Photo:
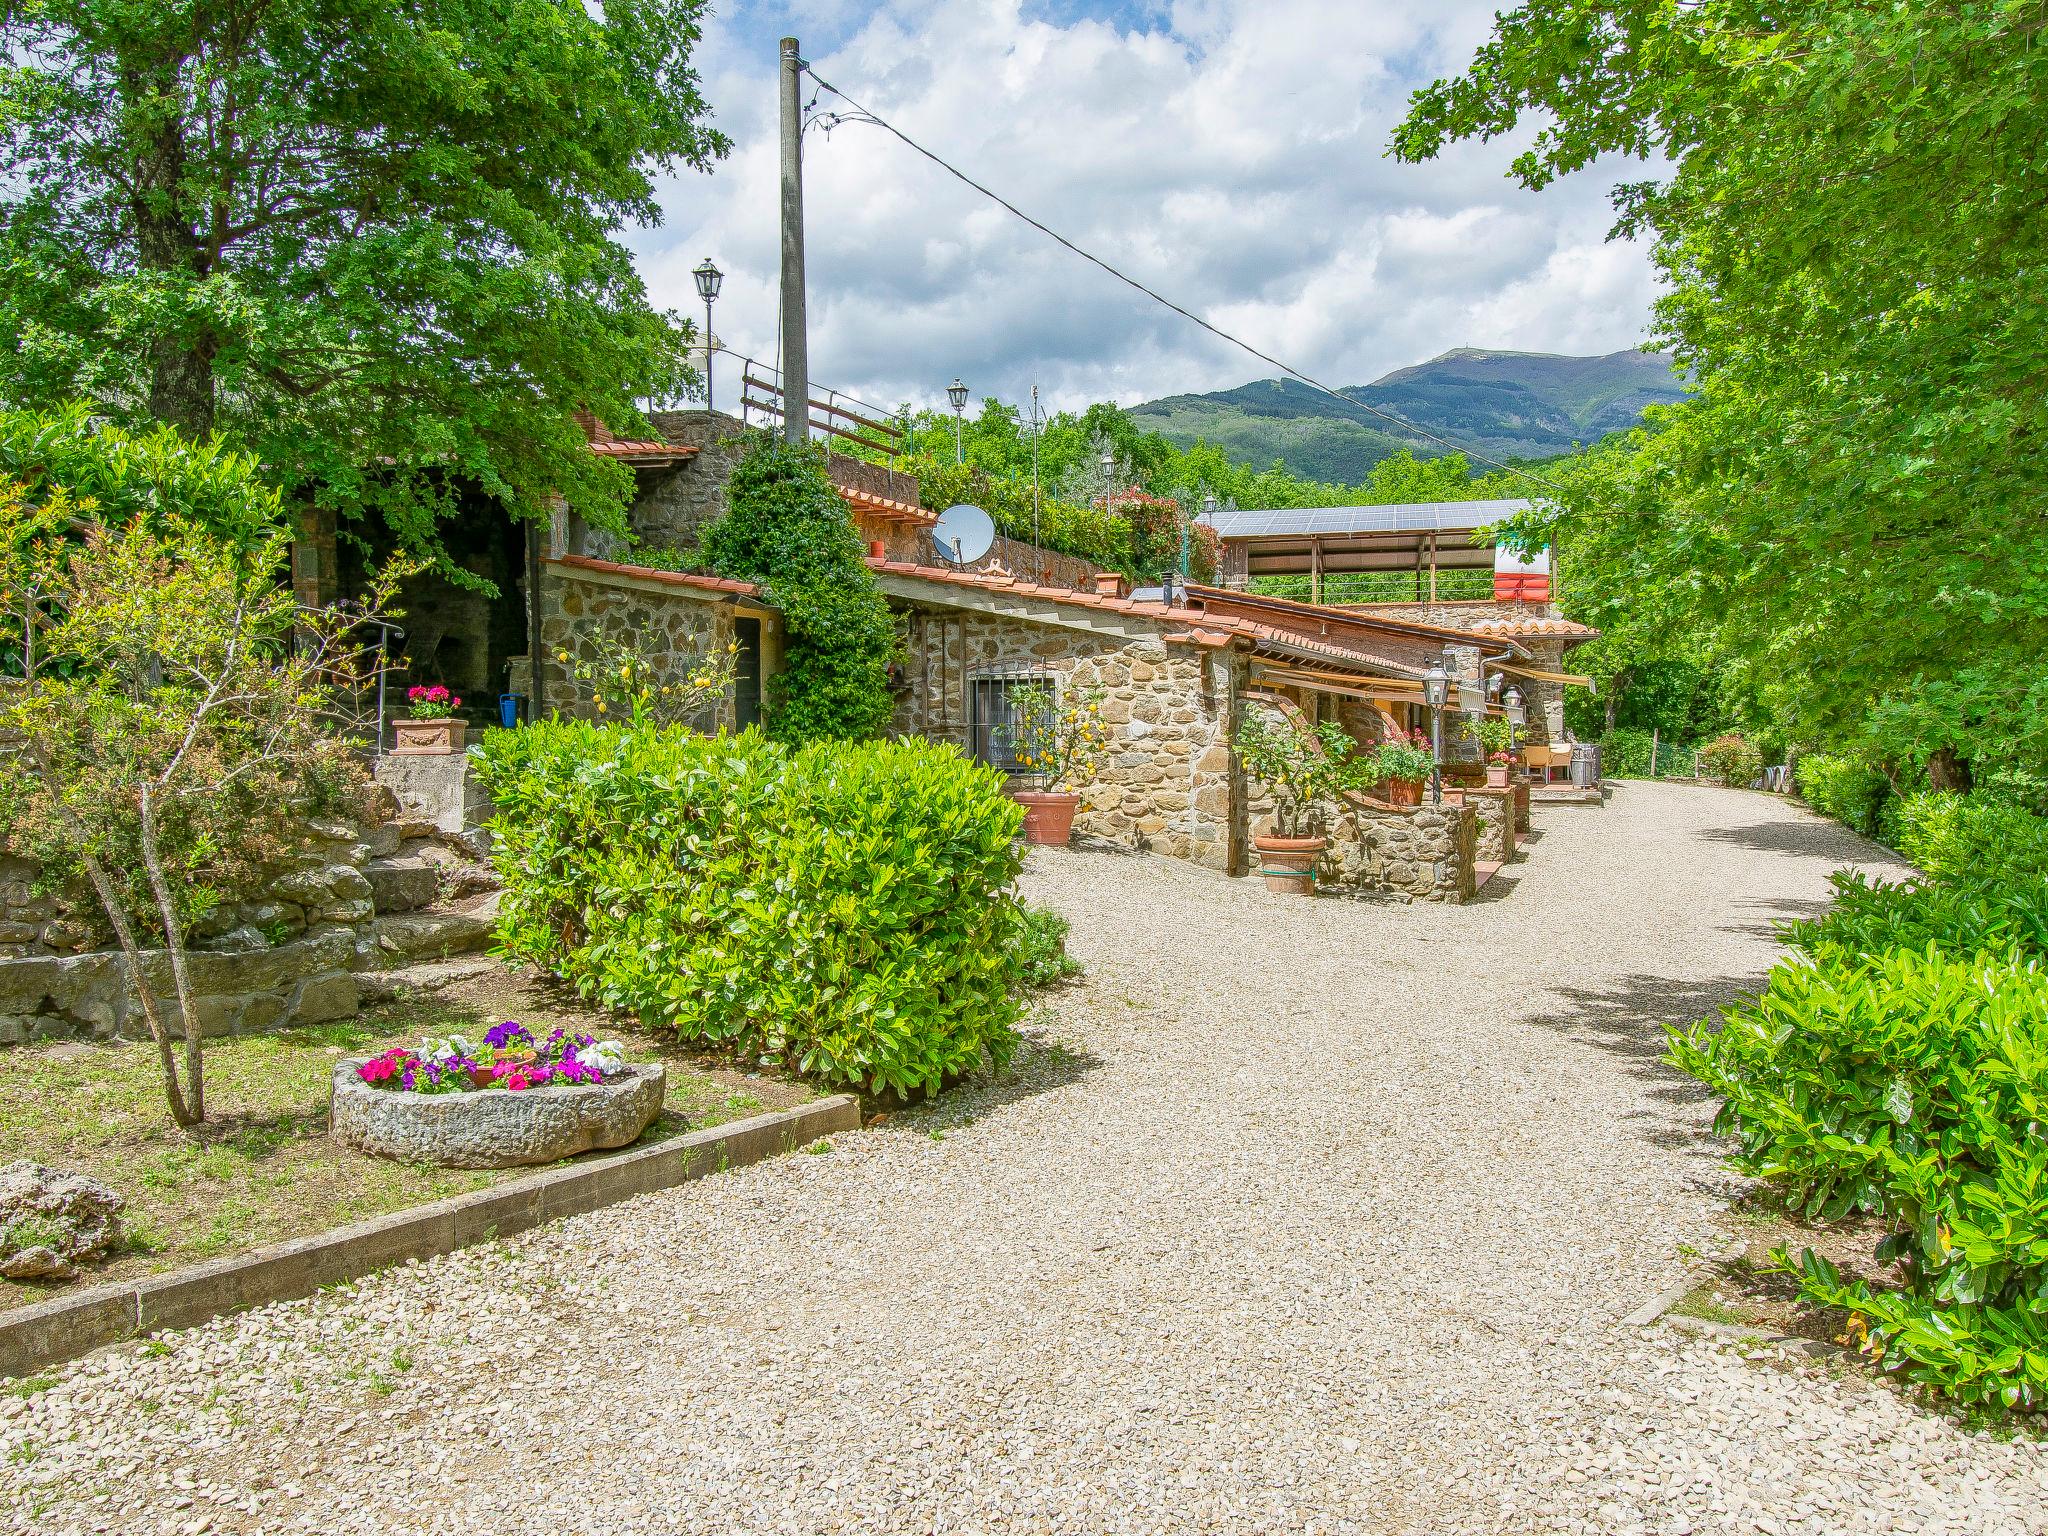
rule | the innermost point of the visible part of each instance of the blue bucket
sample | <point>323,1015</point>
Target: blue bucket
<point>508,709</point>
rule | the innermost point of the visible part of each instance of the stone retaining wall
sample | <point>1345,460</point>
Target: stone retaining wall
<point>351,901</point>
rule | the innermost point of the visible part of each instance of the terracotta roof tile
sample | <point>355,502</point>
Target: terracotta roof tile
<point>1564,627</point>
<point>1203,628</point>
<point>697,579</point>
<point>620,448</point>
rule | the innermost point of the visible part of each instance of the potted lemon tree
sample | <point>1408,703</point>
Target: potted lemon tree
<point>1058,744</point>
<point>1303,770</point>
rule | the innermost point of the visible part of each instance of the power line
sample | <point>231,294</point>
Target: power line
<point>867,115</point>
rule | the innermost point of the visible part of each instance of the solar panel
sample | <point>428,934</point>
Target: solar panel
<point>1403,517</point>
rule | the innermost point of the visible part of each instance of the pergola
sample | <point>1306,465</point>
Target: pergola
<point>1423,538</point>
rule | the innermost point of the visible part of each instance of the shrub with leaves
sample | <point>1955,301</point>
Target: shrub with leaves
<point>1872,917</point>
<point>1733,759</point>
<point>1973,840</point>
<point>174,716</point>
<point>786,528</point>
<point>1041,953</point>
<point>1908,1086</point>
<point>844,909</point>
<point>1899,1068</point>
<point>1846,788</point>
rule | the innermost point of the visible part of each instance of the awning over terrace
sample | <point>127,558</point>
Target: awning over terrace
<point>1425,550</point>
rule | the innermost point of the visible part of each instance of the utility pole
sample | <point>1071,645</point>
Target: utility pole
<point>796,358</point>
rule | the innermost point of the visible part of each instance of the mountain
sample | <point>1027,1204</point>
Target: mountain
<point>1522,405</point>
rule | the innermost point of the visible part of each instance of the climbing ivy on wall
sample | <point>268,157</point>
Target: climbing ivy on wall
<point>787,528</point>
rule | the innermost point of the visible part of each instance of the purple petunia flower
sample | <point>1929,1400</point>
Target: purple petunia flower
<point>501,1035</point>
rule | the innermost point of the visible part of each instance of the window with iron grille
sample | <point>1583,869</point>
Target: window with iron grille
<point>992,714</point>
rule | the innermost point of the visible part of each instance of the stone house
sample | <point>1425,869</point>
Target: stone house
<point>1176,671</point>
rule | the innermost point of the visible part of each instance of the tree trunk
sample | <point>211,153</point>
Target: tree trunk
<point>181,387</point>
<point>1948,772</point>
<point>181,384</point>
<point>124,932</point>
<point>174,947</point>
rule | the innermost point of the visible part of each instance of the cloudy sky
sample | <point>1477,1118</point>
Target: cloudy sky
<point>1228,152</point>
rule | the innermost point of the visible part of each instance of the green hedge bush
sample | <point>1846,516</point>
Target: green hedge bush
<point>1846,788</point>
<point>1871,917</point>
<point>1899,1067</point>
<point>1972,840</point>
<point>846,910</point>
<point>1909,1086</point>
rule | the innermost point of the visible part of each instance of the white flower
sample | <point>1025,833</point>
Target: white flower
<point>439,1050</point>
<point>605,1056</point>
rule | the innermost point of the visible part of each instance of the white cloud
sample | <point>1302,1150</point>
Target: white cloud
<point>1230,153</point>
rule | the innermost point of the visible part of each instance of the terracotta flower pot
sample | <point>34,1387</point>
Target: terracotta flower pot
<point>1048,815</point>
<point>426,738</point>
<point>1496,775</point>
<point>1289,863</point>
<point>1404,791</point>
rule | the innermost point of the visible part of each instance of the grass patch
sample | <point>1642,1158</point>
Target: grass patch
<point>263,1169</point>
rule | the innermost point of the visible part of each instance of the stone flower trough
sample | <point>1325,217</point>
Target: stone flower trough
<point>494,1127</point>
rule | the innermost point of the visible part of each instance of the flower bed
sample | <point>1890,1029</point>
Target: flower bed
<point>510,1057</point>
<point>510,1101</point>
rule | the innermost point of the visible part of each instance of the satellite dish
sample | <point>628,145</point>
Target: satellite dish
<point>964,533</point>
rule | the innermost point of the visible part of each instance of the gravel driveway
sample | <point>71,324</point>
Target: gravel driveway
<point>1297,1217</point>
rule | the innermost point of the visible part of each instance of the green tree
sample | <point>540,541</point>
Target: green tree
<point>373,244</point>
<point>786,527</point>
<point>170,719</point>
<point>1851,225</point>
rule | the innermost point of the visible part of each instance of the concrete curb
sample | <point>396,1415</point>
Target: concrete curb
<point>1652,1311</point>
<point>55,1331</point>
<point>1657,1313</point>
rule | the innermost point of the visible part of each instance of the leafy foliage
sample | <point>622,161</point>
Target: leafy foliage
<point>1303,768</point>
<point>786,527</point>
<point>1971,840</point>
<point>1849,509</point>
<point>1899,1067</point>
<point>372,244</point>
<point>1845,786</point>
<point>1733,759</point>
<point>1060,738</point>
<point>844,909</point>
<point>1042,958</point>
<point>174,716</point>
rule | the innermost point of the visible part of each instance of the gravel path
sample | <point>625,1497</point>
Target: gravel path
<point>1298,1217</point>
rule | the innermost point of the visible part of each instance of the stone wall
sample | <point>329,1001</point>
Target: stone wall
<point>1495,810</point>
<point>673,504</point>
<point>1423,853</point>
<point>1165,785</point>
<point>349,901</point>
<point>672,626</point>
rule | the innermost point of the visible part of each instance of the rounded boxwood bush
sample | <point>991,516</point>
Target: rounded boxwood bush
<point>844,909</point>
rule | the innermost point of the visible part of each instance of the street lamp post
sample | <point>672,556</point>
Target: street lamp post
<point>1208,511</point>
<point>708,279</point>
<point>1108,469</point>
<point>1435,690</point>
<point>1512,705</point>
<point>957,393</point>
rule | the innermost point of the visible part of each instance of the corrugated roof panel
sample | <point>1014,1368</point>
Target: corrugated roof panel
<point>1402,517</point>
